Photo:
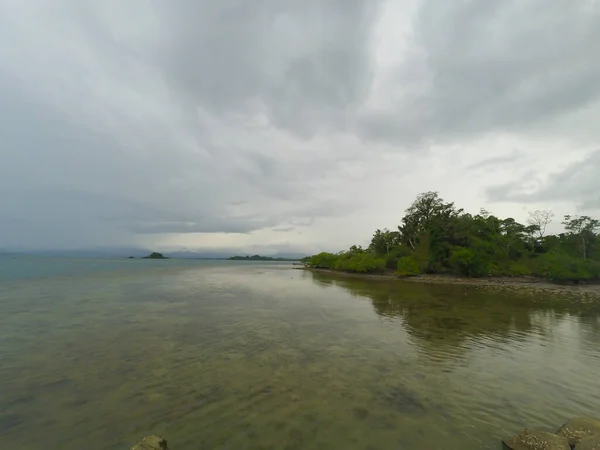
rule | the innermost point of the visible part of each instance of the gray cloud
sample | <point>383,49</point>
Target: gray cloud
<point>113,128</point>
<point>578,183</point>
<point>497,161</point>
<point>284,229</point>
<point>302,63</point>
<point>131,121</point>
<point>483,67</point>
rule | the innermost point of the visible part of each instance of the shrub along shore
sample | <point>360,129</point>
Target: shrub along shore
<point>435,237</point>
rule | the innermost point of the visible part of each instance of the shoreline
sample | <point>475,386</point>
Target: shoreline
<point>585,292</point>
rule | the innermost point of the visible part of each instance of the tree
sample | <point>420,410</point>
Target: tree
<point>468,262</point>
<point>513,234</point>
<point>408,266</point>
<point>426,211</point>
<point>384,241</point>
<point>584,227</point>
<point>539,221</point>
<point>435,236</point>
<point>323,260</point>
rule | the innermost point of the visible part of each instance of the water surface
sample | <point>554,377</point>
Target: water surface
<point>235,355</point>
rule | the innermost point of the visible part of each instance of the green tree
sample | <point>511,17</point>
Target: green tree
<point>323,260</point>
<point>436,236</point>
<point>562,268</point>
<point>513,237</point>
<point>428,228</point>
<point>584,228</point>
<point>383,242</point>
<point>408,266</point>
<point>358,260</point>
<point>421,216</point>
<point>468,262</point>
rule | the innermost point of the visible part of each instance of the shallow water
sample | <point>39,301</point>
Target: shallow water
<point>97,354</point>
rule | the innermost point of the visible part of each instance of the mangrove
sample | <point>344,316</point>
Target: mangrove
<point>436,237</point>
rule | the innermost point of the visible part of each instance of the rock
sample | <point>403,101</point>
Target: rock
<point>535,440</point>
<point>578,428</point>
<point>589,443</point>
<point>153,442</point>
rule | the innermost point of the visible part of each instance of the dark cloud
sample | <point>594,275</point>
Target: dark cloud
<point>304,64</point>
<point>481,67</point>
<point>114,128</point>
<point>127,121</point>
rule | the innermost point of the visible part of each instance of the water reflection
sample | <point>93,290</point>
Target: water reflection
<point>452,318</point>
<point>246,356</point>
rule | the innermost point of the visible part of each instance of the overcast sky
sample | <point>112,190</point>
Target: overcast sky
<point>288,125</point>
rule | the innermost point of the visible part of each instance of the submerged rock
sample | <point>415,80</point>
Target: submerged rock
<point>535,440</point>
<point>589,443</point>
<point>578,428</point>
<point>153,442</point>
<point>403,400</point>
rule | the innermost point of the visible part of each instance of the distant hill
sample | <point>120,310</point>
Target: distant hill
<point>100,252</point>
<point>260,258</point>
<point>155,255</point>
<point>138,252</point>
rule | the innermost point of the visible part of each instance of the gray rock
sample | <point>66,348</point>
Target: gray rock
<point>153,442</point>
<point>578,428</point>
<point>589,443</point>
<point>535,440</point>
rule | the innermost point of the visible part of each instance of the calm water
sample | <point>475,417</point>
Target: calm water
<point>97,354</point>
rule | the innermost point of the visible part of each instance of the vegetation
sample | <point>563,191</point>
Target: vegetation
<point>155,255</point>
<point>435,236</point>
<point>407,266</point>
<point>259,258</point>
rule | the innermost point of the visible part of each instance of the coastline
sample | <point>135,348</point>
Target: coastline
<point>584,292</point>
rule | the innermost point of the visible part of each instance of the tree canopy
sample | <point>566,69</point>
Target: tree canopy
<point>259,258</point>
<point>435,236</point>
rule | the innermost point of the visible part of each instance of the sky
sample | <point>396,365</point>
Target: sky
<point>288,125</point>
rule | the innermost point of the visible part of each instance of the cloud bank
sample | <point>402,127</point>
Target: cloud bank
<point>297,125</point>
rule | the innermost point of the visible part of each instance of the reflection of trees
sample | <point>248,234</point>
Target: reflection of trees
<point>593,322</point>
<point>447,318</point>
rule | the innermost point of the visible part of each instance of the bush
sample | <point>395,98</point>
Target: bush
<point>468,263</point>
<point>360,263</point>
<point>562,268</point>
<point>497,270</point>
<point>422,254</point>
<point>408,266</point>
<point>518,269</point>
<point>396,254</point>
<point>391,261</point>
<point>323,260</point>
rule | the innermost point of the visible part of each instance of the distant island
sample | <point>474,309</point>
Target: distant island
<point>260,258</point>
<point>155,255</point>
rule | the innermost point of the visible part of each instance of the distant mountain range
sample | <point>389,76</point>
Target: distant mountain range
<point>125,252</point>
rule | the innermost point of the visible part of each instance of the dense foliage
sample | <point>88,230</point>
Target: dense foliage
<point>354,260</point>
<point>435,236</point>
